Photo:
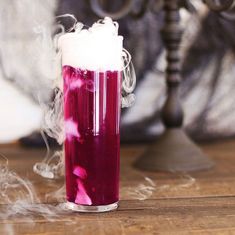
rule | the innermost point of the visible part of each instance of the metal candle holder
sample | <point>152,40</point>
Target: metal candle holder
<point>173,150</point>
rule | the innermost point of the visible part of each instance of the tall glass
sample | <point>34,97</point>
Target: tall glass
<point>92,103</point>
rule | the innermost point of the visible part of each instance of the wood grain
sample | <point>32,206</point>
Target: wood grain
<point>151,203</point>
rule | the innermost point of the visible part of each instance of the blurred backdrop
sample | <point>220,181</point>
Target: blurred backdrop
<point>208,62</point>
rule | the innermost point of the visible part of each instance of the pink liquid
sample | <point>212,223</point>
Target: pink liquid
<point>92,145</point>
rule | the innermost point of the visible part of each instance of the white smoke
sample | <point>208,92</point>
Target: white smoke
<point>98,48</point>
<point>73,48</point>
<point>18,197</point>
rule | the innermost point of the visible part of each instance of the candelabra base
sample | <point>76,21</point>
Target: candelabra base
<point>174,152</point>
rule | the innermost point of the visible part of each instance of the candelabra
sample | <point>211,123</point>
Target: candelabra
<point>173,150</point>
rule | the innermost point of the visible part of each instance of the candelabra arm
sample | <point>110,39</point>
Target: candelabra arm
<point>123,11</point>
<point>221,5</point>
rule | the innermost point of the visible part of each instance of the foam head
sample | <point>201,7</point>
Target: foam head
<point>98,48</point>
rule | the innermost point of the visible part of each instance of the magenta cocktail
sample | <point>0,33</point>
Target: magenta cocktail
<point>92,145</point>
<point>92,65</point>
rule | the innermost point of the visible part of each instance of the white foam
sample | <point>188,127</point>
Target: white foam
<point>97,48</point>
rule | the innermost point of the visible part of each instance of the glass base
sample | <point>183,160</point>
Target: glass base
<point>84,208</point>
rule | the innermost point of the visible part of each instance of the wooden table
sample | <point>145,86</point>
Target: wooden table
<point>151,203</point>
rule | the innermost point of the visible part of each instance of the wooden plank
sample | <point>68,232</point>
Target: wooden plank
<point>195,203</point>
<point>219,181</point>
<point>165,216</point>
